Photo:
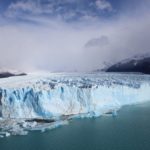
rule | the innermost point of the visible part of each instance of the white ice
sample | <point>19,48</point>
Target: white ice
<point>60,94</point>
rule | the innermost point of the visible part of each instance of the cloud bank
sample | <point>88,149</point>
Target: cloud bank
<point>40,42</point>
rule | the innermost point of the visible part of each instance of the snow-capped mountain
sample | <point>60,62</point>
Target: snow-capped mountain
<point>4,73</point>
<point>138,63</point>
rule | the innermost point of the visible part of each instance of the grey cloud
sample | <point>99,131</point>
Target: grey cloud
<point>97,42</point>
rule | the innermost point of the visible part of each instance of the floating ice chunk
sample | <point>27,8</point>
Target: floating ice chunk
<point>1,136</point>
<point>7,134</point>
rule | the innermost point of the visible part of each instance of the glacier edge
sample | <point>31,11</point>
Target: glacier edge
<point>46,97</point>
<point>41,102</point>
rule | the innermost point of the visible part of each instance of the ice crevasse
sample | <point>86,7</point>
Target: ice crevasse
<point>54,95</point>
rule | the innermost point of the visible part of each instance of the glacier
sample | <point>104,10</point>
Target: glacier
<point>63,96</point>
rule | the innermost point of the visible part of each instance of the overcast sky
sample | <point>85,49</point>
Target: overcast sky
<point>71,35</point>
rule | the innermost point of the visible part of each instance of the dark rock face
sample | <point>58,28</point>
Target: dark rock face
<point>8,74</point>
<point>41,120</point>
<point>141,65</point>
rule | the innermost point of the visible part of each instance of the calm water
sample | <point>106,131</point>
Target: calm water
<point>130,130</point>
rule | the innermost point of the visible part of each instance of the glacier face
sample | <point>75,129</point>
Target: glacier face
<point>55,95</point>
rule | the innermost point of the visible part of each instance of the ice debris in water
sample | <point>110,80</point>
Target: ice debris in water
<point>21,127</point>
<point>55,98</point>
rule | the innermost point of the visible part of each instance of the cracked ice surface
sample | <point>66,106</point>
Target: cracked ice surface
<point>55,95</point>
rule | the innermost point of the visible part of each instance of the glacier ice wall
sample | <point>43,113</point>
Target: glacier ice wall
<point>56,95</point>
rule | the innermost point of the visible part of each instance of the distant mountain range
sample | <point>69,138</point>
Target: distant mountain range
<point>139,63</point>
<point>5,73</point>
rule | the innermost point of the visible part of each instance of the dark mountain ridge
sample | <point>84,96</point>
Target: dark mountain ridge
<point>139,64</point>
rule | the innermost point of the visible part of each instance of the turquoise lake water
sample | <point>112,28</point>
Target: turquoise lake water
<point>130,130</point>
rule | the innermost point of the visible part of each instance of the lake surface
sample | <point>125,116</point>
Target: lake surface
<point>130,130</point>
